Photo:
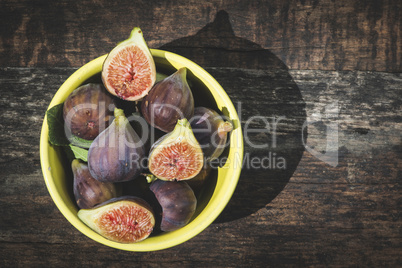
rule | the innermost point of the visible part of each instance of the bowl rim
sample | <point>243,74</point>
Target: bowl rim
<point>219,199</point>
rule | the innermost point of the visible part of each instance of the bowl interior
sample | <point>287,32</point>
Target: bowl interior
<point>211,201</point>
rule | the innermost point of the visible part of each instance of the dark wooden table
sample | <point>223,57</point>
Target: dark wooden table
<point>326,73</point>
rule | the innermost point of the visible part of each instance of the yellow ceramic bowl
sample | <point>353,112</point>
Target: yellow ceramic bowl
<point>211,202</point>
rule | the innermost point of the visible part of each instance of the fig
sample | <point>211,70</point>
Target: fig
<point>117,153</point>
<point>145,131</point>
<point>89,192</point>
<point>177,201</point>
<point>129,69</point>
<point>176,155</point>
<point>211,131</point>
<point>198,181</point>
<point>125,219</point>
<point>87,111</point>
<point>168,101</point>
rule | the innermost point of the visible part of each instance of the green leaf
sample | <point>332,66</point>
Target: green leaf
<point>80,142</point>
<point>55,124</point>
<point>80,153</point>
<point>57,136</point>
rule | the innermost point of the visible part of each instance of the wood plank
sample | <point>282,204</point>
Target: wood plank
<point>310,214</point>
<point>319,34</point>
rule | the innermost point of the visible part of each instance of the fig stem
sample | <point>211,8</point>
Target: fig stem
<point>119,116</point>
<point>182,72</point>
<point>136,34</point>
<point>224,128</point>
<point>150,178</point>
<point>183,122</point>
<point>118,112</point>
<point>75,164</point>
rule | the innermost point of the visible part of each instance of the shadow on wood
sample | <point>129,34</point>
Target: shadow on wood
<point>272,117</point>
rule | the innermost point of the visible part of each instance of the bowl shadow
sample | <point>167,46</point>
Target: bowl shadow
<point>269,104</point>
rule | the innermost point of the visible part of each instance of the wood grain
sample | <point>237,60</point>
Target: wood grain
<point>317,215</point>
<point>326,74</point>
<point>305,34</point>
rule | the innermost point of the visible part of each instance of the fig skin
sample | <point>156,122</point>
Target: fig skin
<point>198,181</point>
<point>145,131</point>
<point>178,203</point>
<point>116,155</point>
<point>125,219</point>
<point>89,192</point>
<point>168,101</point>
<point>87,111</point>
<point>211,131</point>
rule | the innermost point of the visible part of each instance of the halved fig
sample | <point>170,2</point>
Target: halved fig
<point>129,69</point>
<point>169,100</point>
<point>176,155</point>
<point>125,219</point>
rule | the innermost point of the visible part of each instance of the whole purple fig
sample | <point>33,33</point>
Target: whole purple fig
<point>87,111</point>
<point>178,203</point>
<point>199,180</point>
<point>211,131</point>
<point>168,101</point>
<point>117,154</point>
<point>89,192</point>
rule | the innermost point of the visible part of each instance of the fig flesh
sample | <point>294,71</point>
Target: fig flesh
<point>116,155</point>
<point>211,131</point>
<point>168,101</point>
<point>176,155</point>
<point>87,111</point>
<point>89,192</point>
<point>178,203</point>
<point>129,69</point>
<point>125,219</point>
